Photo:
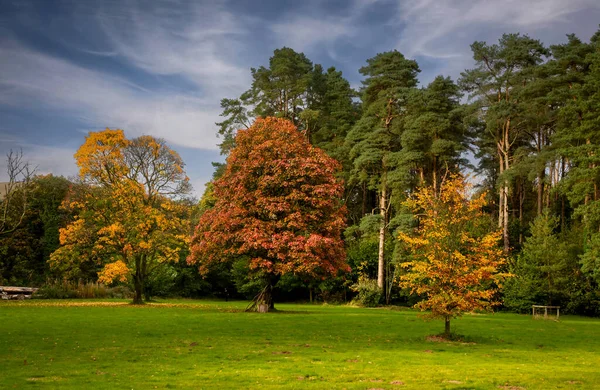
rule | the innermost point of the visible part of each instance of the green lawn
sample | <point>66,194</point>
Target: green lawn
<point>202,344</point>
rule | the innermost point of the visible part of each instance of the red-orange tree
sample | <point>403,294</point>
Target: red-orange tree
<point>278,204</point>
<point>454,260</point>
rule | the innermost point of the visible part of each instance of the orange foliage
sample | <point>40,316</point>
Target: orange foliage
<point>278,202</point>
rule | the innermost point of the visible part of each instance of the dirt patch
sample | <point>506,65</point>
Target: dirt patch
<point>440,339</point>
<point>454,382</point>
<point>397,383</point>
<point>376,380</point>
<point>428,351</point>
<point>508,387</point>
<point>352,361</point>
<point>281,353</point>
<point>193,344</point>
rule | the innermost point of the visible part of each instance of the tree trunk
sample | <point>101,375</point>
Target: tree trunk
<point>263,301</point>
<point>138,283</point>
<point>447,326</point>
<point>521,201</point>
<point>139,289</point>
<point>310,292</point>
<point>381,255</point>
<point>434,177</point>
<point>540,192</point>
<point>505,237</point>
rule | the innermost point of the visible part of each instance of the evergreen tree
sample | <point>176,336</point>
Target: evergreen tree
<point>376,137</point>
<point>496,83</point>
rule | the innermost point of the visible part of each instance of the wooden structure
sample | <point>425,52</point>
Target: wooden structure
<point>543,311</point>
<point>8,292</point>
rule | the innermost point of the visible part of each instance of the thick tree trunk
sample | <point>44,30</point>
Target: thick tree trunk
<point>381,254</point>
<point>138,283</point>
<point>447,326</point>
<point>139,289</point>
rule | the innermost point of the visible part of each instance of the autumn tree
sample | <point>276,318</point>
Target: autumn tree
<point>277,205</point>
<point>127,218</point>
<point>454,263</point>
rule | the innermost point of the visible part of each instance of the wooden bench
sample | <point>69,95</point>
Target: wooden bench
<point>9,292</point>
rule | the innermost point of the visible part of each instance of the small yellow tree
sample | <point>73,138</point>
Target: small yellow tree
<point>454,261</point>
<point>127,219</point>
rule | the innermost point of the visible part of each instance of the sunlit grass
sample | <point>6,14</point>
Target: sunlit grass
<point>204,344</point>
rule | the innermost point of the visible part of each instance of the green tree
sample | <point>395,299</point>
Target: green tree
<point>434,136</point>
<point>496,83</point>
<point>375,139</point>
<point>541,269</point>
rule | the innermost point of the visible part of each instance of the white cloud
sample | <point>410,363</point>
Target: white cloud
<point>199,41</point>
<point>303,32</point>
<point>442,31</point>
<point>437,28</point>
<point>46,159</point>
<point>101,100</point>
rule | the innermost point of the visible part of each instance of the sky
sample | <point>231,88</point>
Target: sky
<point>68,67</point>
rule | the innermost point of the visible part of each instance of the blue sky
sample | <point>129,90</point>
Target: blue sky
<point>161,67</point>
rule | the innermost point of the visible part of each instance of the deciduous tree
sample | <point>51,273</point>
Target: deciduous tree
<point>455,264</point>
<point>127,216</point>
<point>278,205</point>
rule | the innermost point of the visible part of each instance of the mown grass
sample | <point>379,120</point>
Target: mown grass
<point>201,344</point>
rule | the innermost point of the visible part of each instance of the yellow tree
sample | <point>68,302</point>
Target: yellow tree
<point>128,218</point>
<point>454,260</point>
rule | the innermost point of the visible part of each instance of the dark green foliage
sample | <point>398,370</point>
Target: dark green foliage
<point>25,251</point>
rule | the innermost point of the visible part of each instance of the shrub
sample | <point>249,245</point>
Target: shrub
<point>369,294</point>
<point>54,289</point>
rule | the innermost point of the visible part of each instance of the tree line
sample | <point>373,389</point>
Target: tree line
<point>524,121</point>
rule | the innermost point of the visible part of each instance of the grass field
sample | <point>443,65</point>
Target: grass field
<point>201,344</point>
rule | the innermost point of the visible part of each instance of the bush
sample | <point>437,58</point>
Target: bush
<point>69,290</point>
<point>369,294</point>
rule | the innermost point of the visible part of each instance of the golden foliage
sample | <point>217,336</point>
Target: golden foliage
<point>454,261</point>
<point>124,213</point>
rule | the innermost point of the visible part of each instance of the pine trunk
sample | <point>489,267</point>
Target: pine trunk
<point>381,255</point>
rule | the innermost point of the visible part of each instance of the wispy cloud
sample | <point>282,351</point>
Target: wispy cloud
<point>199,41</point>
<point>316,28</point>
<point>99,100</point>
<point>434,28</point>
<point>444,30</point>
